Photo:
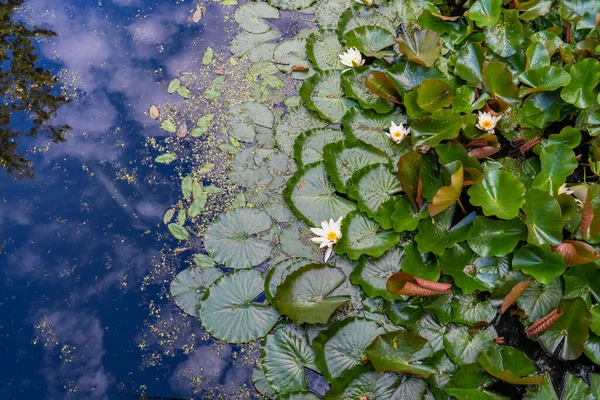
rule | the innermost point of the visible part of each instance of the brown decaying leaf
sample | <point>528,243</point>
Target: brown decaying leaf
<point>575,252</point>
<point>180,250</point>
<point>412,289</point>
<point>543,323</point>
<point>437,286</point>
<point>198,14</point>
<point>154,114</point>
<point>499,340</point>
<point>483,152</point>
<point>299,67</point>
<point>514,294</point>
<point>402,283</point>
<point>182,130</point>
<point>472,176</point>
<point>587,216</point>
<point>447,195</point>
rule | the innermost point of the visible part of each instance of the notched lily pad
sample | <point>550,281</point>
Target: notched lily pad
<point>189,286</point>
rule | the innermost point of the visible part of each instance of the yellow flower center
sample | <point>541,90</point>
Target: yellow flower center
<point>331,236</point>
<point>487,124</point>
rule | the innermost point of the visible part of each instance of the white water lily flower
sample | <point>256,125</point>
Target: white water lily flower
<point>487,122</point>
<point>564,189</point>
<point>398,132</point>
<point>368,3</point>
<point>327,235</point>
<point>352,58</point>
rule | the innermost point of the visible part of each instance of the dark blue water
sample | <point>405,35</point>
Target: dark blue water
<point>84,307</point>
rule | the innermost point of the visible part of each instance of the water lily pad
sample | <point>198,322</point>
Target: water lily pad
<point>498,80</point>
<point>246,42</point>
<point>510,365</point>
<point>291,4</point>
<point>546,78</point>
<point>571,329</point>
<point>324,94</point>
<point>362,236</point>
<point>431,130</point>
<point>362,381</point>
<point>542,108</point>
<point>369,127</point>
<point>543,218</point>
<point>250,17</point>
<point>434,94</point>
<point>505,37</point>
<point>328,12</point>
<point>353,81</point>
<point>583,281</point>
<point>500,193</point>
<point>539,299</point>
<point>406,217</point>
<point>228,310</point>
<point>311,196</point>
<point>248,119</point>
<point>422,265</point>
<point>341,346</point>
<point>372,273</point>
<point>422,47</point>
<point>344,158</point>
<point>290,53</point>
<point>470,383</point>
<point>464,348</point>
<point>238,238</point>
<point>358,15</point>
<point>371,40</point>
<point>308,146</point>
<point>278,272</point>
<point>469,310</point>
<point>585,76</point>
<point>294,123</point>
<point>189,285</point>
<point>485,12</point>
<point>408,75</point>
<point>437,234</point>
<point>400,351</point>
<point>372,187</point>
<point>470,271</point>
<point>539,261</point>
<point>286,354</point>
<point>324,49</point>
<point>558,162</point>
<point>495,237</point>
<point>308,295</point>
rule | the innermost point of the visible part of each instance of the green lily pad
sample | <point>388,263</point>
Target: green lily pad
<point>308,146</point>
<point>344,158</point>
<point>246,42</point>
<point>311,196</point>
<point>543,392</point>
<point>546,78</point>
<point>470,271</point>
<point>248,119</point>
<point>469,64</point>
<point>422,47</point>
<point>434,94</point>
<point>371,40</point>
<point>328,12</point>
<point>464,348</point>
<point>292,52</point>
<point>542,108</point>
<point>353,81</point>
<point>583,281</point>
<point>341,346</point>
<point>425,266</point>
<point>498,80</point>
<point>286,354</point>
<point>372,273</point>
<point>500,193</point>
<point>485,12</point>
<point>505,37</point>
<point>405,216</point>
<point>469,310</point>
<point>539,299</point>
<point>534,9</point>
<point>372,187</point>
<point>543,217</point>
<point>291,4</point>
<point>358,15</point>
<point>585,76</point>
<point>323,50</point>
<point>400,351</point>
<point>408,75</point>
<point>537,56</point>
<point>510,365</point>
<point>437,234</point>
<point>178,231</point>
<point>238,238</point>
<point>250,17</point>
<point>369,127</point>
<point>558,162</point>
<point>281,270</point>
<point>431,130</point>
<point>362,236</point>
<point>470,382</point>
<point>189,285</point>
<point>576,389</point>
<point>308,295</point>
<point>362,381</point>
<point>539,261</point>
<point>293,124</point>
<point>324,94</point>
<point>228,310</point>
<point>260,382</point>
<point>495,237</point>
<point>571,329</point>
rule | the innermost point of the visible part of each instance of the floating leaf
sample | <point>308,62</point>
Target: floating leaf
<point>585,76</point>
<point>178,231</point>
<point>341,346</point>
<point>238,239</point>
<point>434,94</point>
<point>205,169</point>
<point>370,40</point>
<point>543,218</point>
<point>203,261</point>
<point>312,197</point>
<point>378,85</point>
<point>286,354</point>
<point>189,286</point>
<point>546,78</point>
<point>208,56</point>
<point>250,17</point>
<point>249,119</point>
<point>323,51</point>
<point>575,252</point>
<point>539,261</point>
<point>323,93</point>
<point>184,92</point>
<point>431,130</point>
<point>509,365</point>
<point>505,37</point>
<point>422,47</point>
<point>362,381</point>
<point>174,85</point>
<point>470,271</point>
<point>464,348</point>
<point>470,383</point>
<point>361,235</point>
<point>308,295</point>
<point>153,111</point>
<point>308,146</point>
<point>202,124</point>
<point>498,80</point>
<point>470,64</point>
<point>400,351</point>
<point>485,12</point>
<point>437,234</point>
<point>168,126</point>
<point>229,312</point>
<point>539,299</point>
<point>448,195</point>
<point>372,273</point>
<point>494,237</point>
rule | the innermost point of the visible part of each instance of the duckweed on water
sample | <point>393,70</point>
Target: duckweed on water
<point>461,158</point>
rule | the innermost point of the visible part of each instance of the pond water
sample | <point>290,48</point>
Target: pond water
<point>84,281</point>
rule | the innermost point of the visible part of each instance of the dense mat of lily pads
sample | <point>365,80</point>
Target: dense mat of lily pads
<point>445,159</point>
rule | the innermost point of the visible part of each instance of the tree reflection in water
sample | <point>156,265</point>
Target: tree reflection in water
<point>28,92</point>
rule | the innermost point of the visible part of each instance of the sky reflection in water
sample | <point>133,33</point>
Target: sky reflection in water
<point>79,314</point>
